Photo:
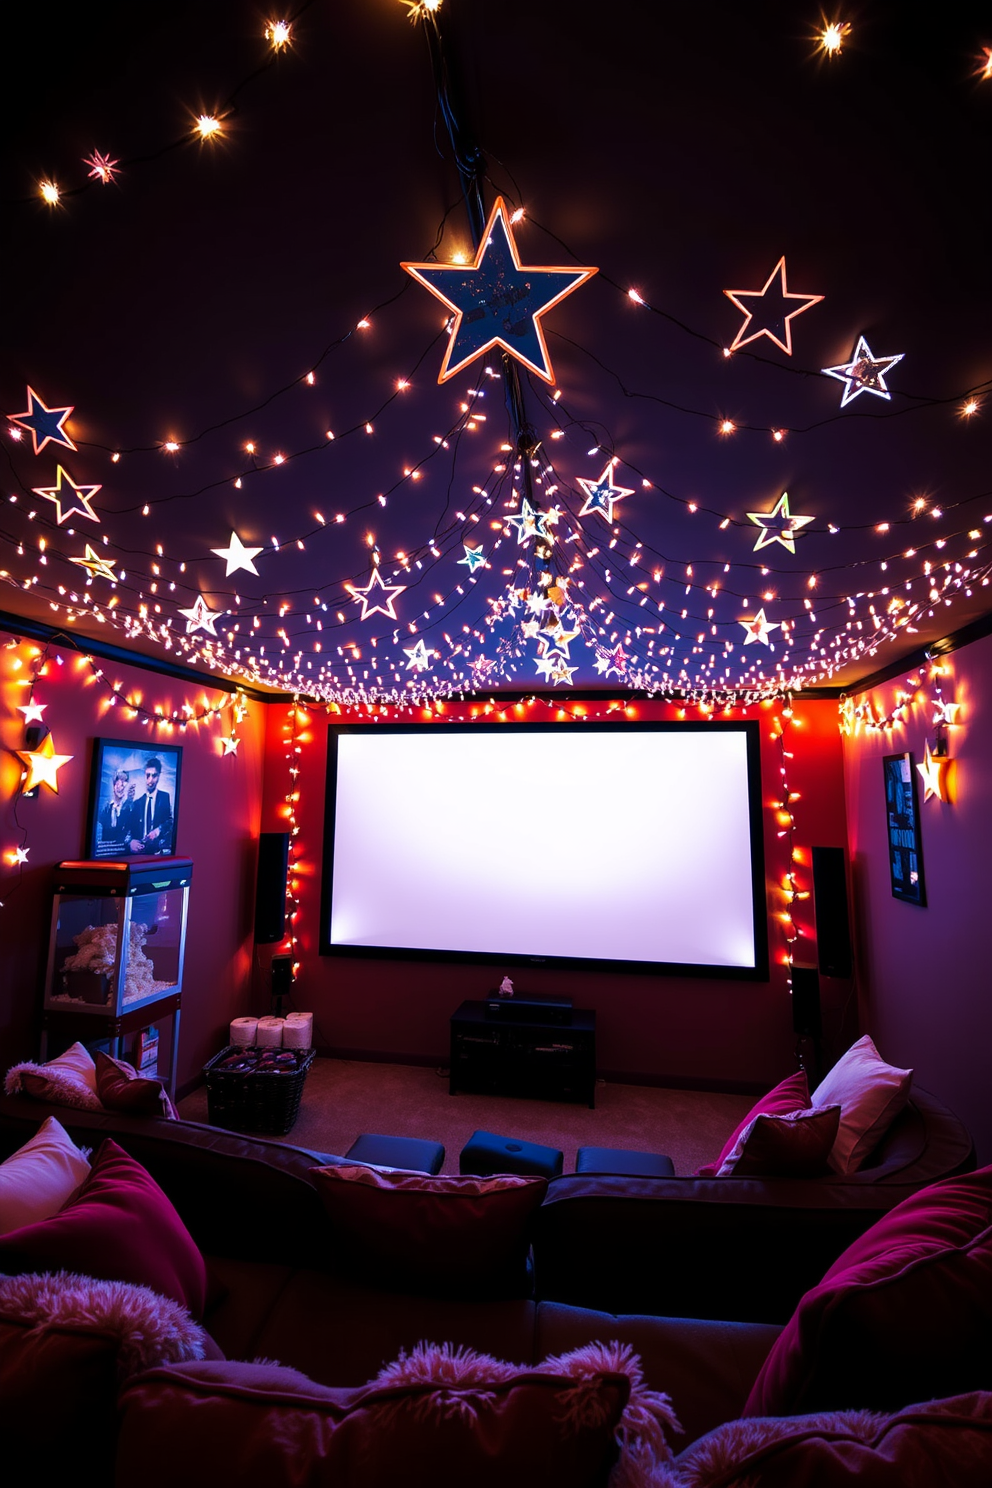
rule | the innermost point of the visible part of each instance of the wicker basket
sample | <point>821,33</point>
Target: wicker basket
<point>256,1100</point>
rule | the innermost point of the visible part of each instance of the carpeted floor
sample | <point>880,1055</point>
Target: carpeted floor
<point>343,1098</point>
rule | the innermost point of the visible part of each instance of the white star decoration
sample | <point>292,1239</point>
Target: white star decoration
<point>230,745</point>
<point>474,558</point>
<point>100,568</point>
<point>757,628</point>
<point>601,494</point>
<point>778,525</point>
<point>201,617</point>
<point>381,593</point>
<point>932,771</point>
<point>530,522</point>
<point>420,657</point>
<point>236,556</point>
<point>864,373</point>
<point>33,711</point>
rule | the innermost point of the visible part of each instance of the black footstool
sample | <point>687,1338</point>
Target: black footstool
<point>485,1153</point>
<point>621,1163</point>
<point>413,1153</point>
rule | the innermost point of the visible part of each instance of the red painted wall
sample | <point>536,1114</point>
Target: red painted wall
<point>925,973</point>
<point>218,822</point>
<point>675,1029</point>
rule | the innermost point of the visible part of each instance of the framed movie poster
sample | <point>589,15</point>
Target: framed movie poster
<point>134,800</point>
<point>902,819</point>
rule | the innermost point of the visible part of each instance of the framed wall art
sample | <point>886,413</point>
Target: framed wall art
<point>134,800</point>
<point>902,820</point>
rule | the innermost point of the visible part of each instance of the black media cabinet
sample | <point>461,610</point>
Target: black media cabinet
<point>522,1056</point>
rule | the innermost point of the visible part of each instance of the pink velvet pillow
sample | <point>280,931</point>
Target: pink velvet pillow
<point>121,1088</point>
<point>870,1094</point>
<point>791,1095</point>
<point>68,1080</point>
<point>945,1442</point>
<point>450,1236</point>
<point>904,1314</point>
<point>71,1341</point>
<point>440,1418</point>
<point>119,1227</point>
<point>795,1145</point>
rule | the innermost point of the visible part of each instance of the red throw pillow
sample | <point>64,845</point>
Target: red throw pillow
<point>946,1442</point>
<point>121,1088</point>
<point>904,1314</point>
<point>448,1236</point>
<point>795,1145</point>
<point>119,1227</point>
<point>791,1095</point>
<point>440,1418</point>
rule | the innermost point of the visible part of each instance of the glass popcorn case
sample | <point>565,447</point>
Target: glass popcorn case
<point>118,936</point>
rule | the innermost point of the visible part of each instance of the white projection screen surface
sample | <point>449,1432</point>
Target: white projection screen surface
<point>627,844</point>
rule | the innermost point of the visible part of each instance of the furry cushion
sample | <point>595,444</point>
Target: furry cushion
<point>794,1145</point>
<point>120,1226</point>
<point>792,1094</point>
<point>40,1177</point>
<point>446,1236</point>
<point>121,1088</point>
<point>439,1417</point>
<point>69,1080</point>
<point>67,1343</point>
<point>905,1312</point>
<point>870,1094</point>
<point>940,1442</point>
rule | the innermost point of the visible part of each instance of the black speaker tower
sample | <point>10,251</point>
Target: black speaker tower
<point>833,932</point>
<point>270,892</point>
<point>806,1001</point>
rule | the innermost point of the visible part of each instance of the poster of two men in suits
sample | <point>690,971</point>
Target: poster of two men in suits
<point>134,800</point>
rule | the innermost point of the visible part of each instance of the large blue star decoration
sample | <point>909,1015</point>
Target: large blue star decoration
<point>69,498</point>
<point>377,597</point>
<point>778,526</point>
<point>864,373</point>
<point>767,314</point>
<point>474,558</point>
<point>497,300</point>
<point>45,423</point>
<point>602,493</point>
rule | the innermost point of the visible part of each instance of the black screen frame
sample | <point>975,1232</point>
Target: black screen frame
<point>510,961</point>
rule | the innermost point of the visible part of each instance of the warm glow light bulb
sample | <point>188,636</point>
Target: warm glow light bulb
<point>278,33</point>
<point>208,126</point>
<point>50,193</point>
<point>833,36</point>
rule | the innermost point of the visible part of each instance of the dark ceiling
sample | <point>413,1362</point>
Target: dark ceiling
<point>681,150</point>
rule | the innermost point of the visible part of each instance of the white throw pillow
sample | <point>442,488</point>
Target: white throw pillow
<point>870,1094</point>
<point>40,1177</point>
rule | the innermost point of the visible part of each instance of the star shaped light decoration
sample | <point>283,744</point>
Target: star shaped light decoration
<point>236,556</point>
<point>42,765</point>
<point>32,712</point>
<point>420,657</point>
<point>602,493</point>
<point>612,661</point>
<point>76,498</point>
<point>561,672</point>
<point>932,772</point>
<point>757,628</point>
<point>864,373</point>
<point>474,558</point>
<point>768,311</point>
<point>557,638</point>
<point>100,568</point>
<point>778,525</point>
<point>44,423</point>
<point>21,853</point>
<point>530,522</point>
<point>101,167</point>
<point>945,714</point>
<point>497,300</point>
<point>377,596</point>
<point>231,744</point>
<point>201,617</point>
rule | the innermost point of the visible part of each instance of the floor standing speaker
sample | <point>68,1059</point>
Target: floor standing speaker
<point>270,891</point>
<point>805,1000</point>
<point>833,932</point>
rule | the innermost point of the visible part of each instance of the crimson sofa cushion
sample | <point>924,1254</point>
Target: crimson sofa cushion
<point>794,1145</point>
<point>66,1344</point>
<point>870,1094</point>
<point>120,1226</point>
<point>450,1236</point>
<point>438,1418</point>
<point>792,1094</point>
<point>941,1442</point>
<point>904,1314</point>
<point>121,1088</point>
